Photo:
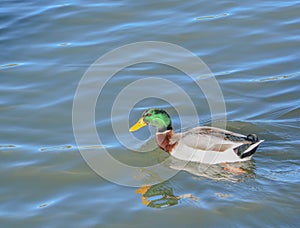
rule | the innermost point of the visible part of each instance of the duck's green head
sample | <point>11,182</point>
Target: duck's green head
<point>155,117</point>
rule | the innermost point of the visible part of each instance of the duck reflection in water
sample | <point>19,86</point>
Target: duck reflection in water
<point>232,172</point>
<point>161,195</point>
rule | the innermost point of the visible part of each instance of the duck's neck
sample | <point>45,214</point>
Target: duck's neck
<point>162,124</point>
<point>164,140</point>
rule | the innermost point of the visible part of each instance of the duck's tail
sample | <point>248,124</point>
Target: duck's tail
<point>248,149</point>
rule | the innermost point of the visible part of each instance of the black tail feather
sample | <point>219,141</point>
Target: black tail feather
<point>248,153</point>
<point>253,138</point>
<point>242,151</point>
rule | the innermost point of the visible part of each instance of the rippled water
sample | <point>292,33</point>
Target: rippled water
<point>252,48</point>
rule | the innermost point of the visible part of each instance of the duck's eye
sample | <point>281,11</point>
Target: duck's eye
<point>148,114</point>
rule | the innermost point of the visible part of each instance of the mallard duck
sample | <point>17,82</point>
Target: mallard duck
<point>202,144</point>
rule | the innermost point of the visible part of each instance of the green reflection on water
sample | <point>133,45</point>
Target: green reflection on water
<point>161,195</point>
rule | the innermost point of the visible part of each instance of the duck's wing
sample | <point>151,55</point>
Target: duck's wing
<point>212,139</point>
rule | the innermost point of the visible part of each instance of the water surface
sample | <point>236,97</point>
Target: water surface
<point>252,48</point>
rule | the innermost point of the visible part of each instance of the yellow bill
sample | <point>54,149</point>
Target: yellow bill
<point>141,123</point>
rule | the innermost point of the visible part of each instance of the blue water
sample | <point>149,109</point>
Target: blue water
<point>252,49</point>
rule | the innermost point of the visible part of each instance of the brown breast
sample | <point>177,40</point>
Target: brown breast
<point>163,139</point>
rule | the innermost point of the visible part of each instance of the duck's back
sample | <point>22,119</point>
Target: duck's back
<point>212,145</point>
